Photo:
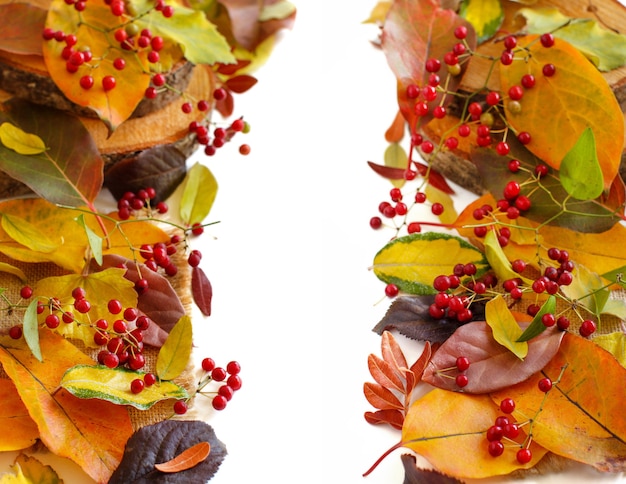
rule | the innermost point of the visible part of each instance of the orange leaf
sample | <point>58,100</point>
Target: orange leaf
<point>391,351</point>
<point>558,108</point>
<point>186,459</point>
<point>380,397</point>
<point>91,432</point>
<point>19,430</point>
<point>395,132</point>
<point>384,373</point>
<point>391,417</point>
<point>582,418</point>
<point>449,430</point>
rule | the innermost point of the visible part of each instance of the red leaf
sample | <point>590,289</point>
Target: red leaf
<point>230,69</point>
<point>381,398</point>
<point>201,290</point>
<point>384,373</point>
<point>387,172</point>
<point>395,418</point>
<point>226,106</point>
<point>435,178</point>
<point>240,84</point>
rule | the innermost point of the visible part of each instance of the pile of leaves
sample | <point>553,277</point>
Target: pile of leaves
<point>518,299</point>
<point>96,332</point>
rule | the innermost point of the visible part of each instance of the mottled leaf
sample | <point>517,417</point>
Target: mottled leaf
<point>604,47</point>
<point>113,385</point>
<point>162,442</point>
<point>487,358</point>
<point>174,354</point>
<point>486,16</point>
<point>582,416</point>
<point>19,430</point>
<point>186,459</point>
<point>22,35</point>
<point>437,428</point>
<point>412,262</point>
<point>580,171</point>
<point>199,191</point>
<point>69,172</point>
<point>18,140</point>
<point>201,290</point>
<point>504,327</point>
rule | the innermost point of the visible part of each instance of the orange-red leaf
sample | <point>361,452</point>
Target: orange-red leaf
<point>19,430</point>
<point>381,398</point>
<point>186,459</point>
<point>391,417</point>
<point>384,373</point>
<point>240,84</point>
<point>395,131</point>
<point>391,352</point>
<point>92,433</point>
<point>582,418</point>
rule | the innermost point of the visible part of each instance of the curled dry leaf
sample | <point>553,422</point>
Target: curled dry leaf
<point>186,459</point>
<point>488,358</point>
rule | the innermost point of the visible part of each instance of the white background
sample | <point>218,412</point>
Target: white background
<point>294,301</point>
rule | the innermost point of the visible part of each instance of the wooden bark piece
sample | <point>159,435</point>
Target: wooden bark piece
<point>609,13</point>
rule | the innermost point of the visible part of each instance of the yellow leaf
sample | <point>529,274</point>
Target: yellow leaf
<point>434,195</point>
<point>19,430</point>
<point>11,269</point>
<point>28,470</point>
<point>443,424</point>
<point>378,13</point>
<point>505,328</point>
<point>19,141</point>
<point>614,343</point>
<point>70,427</point>
<point>27,234</point>
<point>395,157</point>
<point>561,106</point>
<point>199,191</point>
<point>174,354</point>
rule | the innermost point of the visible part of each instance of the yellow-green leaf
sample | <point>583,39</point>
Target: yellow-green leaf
<point>277,11</point>
<point>536,326</point>
<point>504,327</point>
<point>412,262</point>
<point>31,329</point>
<point>199,191</point>
<point>174,354</point>
<point>19,141</point>
<point>95,242</point>
<point>486,16</point>
<point>614,343</point>
<point>395,157</point>
<point>113,385</point>
<point>497,258</point>
<point>587,289</point>
<point>434,195</point>
<point>27,234</point>
<point>605,48</point>
<point>28,470</point>
<point>580,172</point>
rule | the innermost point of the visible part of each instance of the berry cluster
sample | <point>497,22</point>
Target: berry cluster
<point>216,139</point>
<point>227,379</point>
<point>131,203</point>
<point>397,207</point>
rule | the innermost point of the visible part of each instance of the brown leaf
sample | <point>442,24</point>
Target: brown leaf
<point>186,459</point>
<point>487,359</point>
<point>22,35</point>
<point>415,475</point>
<point>390,417</point>
<point>230,69</point>
<point>201,290</point>
<point>240,84</point>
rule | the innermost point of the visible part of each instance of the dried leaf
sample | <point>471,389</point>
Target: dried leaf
<point>412,262</point>
<point>487,358</point>
<point>19,141</point>
<point>381,398</point>
<point>175,353</point>
<point>68,426</point>
<point>414,475</point>
<point>28,470</point>
<point>436,429</point>
<point>69,172</point>
<point>385,374</point>
<point>201,290</point>
<point>240,84</point>
<point>19,431</point>
<point>162,442</point>
<point>394,418</point>
<point>582,416</point>
<point>186,459</point>
<point>395,132</point>
<point>22,35</point>
<point>113,385</point>
<point>198,195</point>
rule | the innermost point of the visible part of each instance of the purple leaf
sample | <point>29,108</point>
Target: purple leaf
<point>201,290</point>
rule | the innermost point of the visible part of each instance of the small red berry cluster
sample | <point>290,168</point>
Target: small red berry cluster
<point>397,207</point>
<point>132,203</point>
<point>457,372</point>
<point>228,382</point>
<point>216,139</point>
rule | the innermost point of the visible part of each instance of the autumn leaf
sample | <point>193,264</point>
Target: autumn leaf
<point>487,358</point>
<point>22,35</point>
<point>198,194</point>
<point>93,433</point>
<point>583,97</point>
<point>614,343</point>
<point>436,428</point>
<point>395,131</point>
<point>11,269</point>
<point>504,327</point>
<point>70,171</point>
<point>435,178</point>
<point>602,46</point>
<point>19,141</point>
<point>486,16</point>
<point>536,326</point>
<point>162,442</point>
<point>201,290</point>
<point>412,262</point>
<point>581,418</point>
<point>186,459</point>
<point>29,470</point>
<point>19,430</point>
<point>580,173</point>
<point>174,355</point>
<point>415,475</point>
<point>25,233</point>
<point>113,385</point>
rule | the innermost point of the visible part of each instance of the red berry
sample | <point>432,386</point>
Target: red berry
<point>233,367</point>
<point>493,98</point>
<point>108,83</point>
<point>507,405</point>
<point>437,208</point>
<point>587,328</point>
<point>197,229</point>
<point>433,65</point>
<point>86,82</point>
<point>528,81</point>
<point>460,32</point>
<point>461,380</point>
<point>547,40</point>
<point>391,290</point>
<point>219,402</point>
<point>516,92</point>
<point>218,374</point>
<point>548,70</point>
<point>82,306</point>
<point>234,382</point>
<point>244,149</point>
<point>524,456</point>
<point>180,407</point>
<point>462,363</point>
<point>376,222</point>
<point>149,379</point>
<point>496,448</point>
<point>208,364</point>
<point>26,292</point>
<point>136,361</point>
<point>510,42</point>
<point>15,332</point>
<point>137,385</point>
<point>226,391</point>
<point>545,385</point>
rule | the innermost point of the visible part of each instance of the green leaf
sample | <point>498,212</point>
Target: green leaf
<point>497,259</point>
<point>113,385</point>
<point>504,327</point>
<point>604,47</point>
<point>614,343</point>
<point>199,191</point>
<point>95,241</point>
<point>580,171</point>
<point>20,141</point>
<point>199,39</point>
<point>25,233</point>
<point>30,329</point>
<point>536,326</point>
<point>412,262</point>
<point>70,171</point>
<point>395,157</point>
<point>174,355</point>
<point>485,15</point>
